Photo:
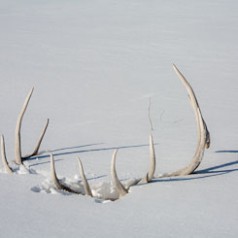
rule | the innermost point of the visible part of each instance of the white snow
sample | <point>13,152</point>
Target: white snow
<point>95,66</point>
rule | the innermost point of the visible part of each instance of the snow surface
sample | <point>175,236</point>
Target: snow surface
<point>95,66</point>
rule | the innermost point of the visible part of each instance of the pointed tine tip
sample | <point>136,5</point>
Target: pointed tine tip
<point>31,90</point>
<point>113,163</point>
<point>52,165</point>
<point>80,162</point>
<point>177,71</point>
<point>114,155</point>
<point>2,141</point>
<point>180,75</point>
<point>29,94</point>
<point>115,151</point>
<point>52,162</point>
<point>81,166</point>
<point>174,67</point>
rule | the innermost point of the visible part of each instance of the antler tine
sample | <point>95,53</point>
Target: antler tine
<point>53,174</point>
<point>194,102</point>
<point>18,152</point>
<point>36,150</point>
<point>116,182</point>
<point>203,133</point>
<point>152,159</point>
<point>150,175</point>
<point>58,185</point>
<point>84,179</point>
<point>4,158</point>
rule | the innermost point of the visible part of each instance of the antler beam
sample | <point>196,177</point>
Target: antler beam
<point>203,140</point>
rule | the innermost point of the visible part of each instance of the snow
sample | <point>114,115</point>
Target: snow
<point>95,66</point>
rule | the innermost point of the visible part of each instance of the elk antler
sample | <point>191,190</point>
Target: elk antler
<point>18,151</point>
<point>4,158</point>
<point>203,142</point>
<point>203,133</point>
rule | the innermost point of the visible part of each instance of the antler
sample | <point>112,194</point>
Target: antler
<point>18,151</point>
<point>6,166</point>
<point>203,133</point>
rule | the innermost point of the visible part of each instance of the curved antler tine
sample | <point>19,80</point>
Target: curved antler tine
<point>53,174</point>
<point>203,133</point>
<point>116,182</point>
<point>152,159</point>
<point>58,185</point>
<point>84,179</point>
<point>194,102</point>
<point>4,158</point>
<point>150,175</point>
<point>36,150</point>
<point>18,152</point>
